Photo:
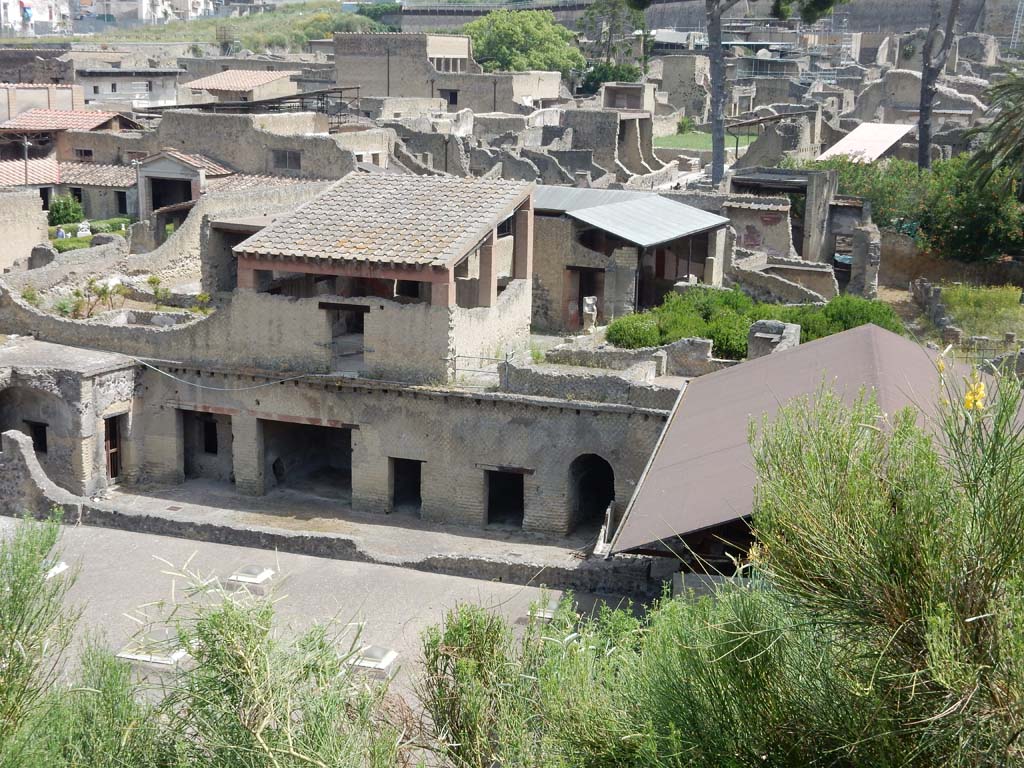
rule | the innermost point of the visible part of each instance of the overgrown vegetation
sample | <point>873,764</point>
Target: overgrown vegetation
<point>880,626</point>
<point>985,310</point>
<point>64,209</point>
<point>725,317</point>
<point>943,207</point>
<point>248,699</point>
<point>516,41</point>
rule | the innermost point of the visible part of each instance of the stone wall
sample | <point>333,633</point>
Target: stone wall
<point>22,225</point>
<point>902,262</point>
<point>242,142</point>
<point>255,330</point>
<point>589,385</point>
<point>819,278</point>
<point>457,435</point>
<point>493,332</point>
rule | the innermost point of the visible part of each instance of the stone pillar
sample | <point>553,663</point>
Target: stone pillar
<point>164,446</point>
<point>522,249</point>
<point>866,259</point>
<point>247,455</point>
<point>487,285</point>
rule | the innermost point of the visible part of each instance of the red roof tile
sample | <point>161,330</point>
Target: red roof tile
<point>238,79</point>
<point>57,120</point>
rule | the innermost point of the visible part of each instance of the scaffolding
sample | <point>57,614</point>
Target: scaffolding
<point>1018,26</point>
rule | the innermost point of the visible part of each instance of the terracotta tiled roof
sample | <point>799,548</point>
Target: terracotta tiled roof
<point>212,167</point>
<point>239,181</point>
<point>398,219</point>
<point>41,171</point>
<point>96,175</point>
<point>239,79</point>
<point>46,171</point>
<point>57,120</point>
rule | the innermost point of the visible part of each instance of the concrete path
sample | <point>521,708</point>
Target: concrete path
<point>292,521</point>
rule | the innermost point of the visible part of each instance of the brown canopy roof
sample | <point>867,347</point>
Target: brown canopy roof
<point>702,475</point>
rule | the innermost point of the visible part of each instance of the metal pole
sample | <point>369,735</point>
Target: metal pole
<point>26,145</point>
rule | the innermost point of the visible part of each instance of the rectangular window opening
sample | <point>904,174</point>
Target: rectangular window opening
<point>286,159</point>
<point>122,202</point>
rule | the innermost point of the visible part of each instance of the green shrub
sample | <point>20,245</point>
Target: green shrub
<point>634,331</point>
<point>64,209</point>
<point>604,72</point>
<point>725,318</point>
<point>685,125</point>
<point>960,221</point>
<point>31,296</point>
<point>728,333</point>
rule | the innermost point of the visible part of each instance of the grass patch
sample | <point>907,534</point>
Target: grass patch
<point>71,243</point>
<point>985,310</point>
<point>725,317</point>
<point>698,140</point>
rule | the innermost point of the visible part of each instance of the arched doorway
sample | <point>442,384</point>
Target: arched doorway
<point>591,490</point>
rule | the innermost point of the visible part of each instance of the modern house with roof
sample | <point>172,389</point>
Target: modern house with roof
<point>239,85</point>
<point>39,128</point>
<point>696,496</point>
<point>415,273</point>
<point>623,247</point>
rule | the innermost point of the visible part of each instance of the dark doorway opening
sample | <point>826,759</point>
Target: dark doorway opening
<point>164,192</point>
<point>591,490</point>
<point>37,431</point>
<point>112,428</point>
<point>505,503</point>
<point>308,457</point>
<point>406,482</point>
<point>208,445</point>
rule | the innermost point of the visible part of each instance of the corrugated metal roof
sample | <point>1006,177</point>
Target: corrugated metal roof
<point>867,142</point>
<point>565,199</point>
<point>648,221</point>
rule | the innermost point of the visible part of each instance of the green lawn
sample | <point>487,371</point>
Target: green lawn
<point>698,140</point>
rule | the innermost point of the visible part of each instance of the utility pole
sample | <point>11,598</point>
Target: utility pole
<point>26,144</point>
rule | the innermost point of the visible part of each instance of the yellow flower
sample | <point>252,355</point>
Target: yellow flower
<point>974,397</point>
<point>942,365</point>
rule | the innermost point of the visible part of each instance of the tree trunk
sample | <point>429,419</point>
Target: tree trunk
<point>929,85</point>
<point>931,68</point>
<point>717,61</point>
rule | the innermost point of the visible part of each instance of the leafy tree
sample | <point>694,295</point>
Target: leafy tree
<point>610,25</point>
<point>64,209</point>
<point>515,41</point>
<point>960,221</point>
<point>609,73</point>
<point>1004,136</point>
